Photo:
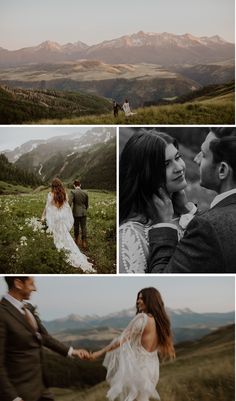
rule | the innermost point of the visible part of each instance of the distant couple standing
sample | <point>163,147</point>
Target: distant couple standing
<point>60,220</point>
<point>125,107</point>
<point>132,359</point>
<point>160,231</point>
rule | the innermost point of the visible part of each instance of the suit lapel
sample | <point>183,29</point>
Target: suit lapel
<point>229,200</point>
<point>14,312</point>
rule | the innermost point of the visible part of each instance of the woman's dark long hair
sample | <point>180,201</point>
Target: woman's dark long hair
<point>142,173</point>
<point>155,306</point>
<point>58,192</point>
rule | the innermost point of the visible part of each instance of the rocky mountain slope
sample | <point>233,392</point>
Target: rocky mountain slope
<point>159,48</point>
<point>90,156</point>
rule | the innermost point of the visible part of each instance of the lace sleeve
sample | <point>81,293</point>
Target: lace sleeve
<point>132,251</point>
<point>134,330</point>
<point>132,333</point>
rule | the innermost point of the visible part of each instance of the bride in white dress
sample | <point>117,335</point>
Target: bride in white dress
<point>132,360</point>
<point>60,221</point>
<point>126,109</point>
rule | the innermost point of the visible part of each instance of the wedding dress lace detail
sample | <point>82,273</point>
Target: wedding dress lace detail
<point>134,247</point>
<point>60,221</point>
<point>132,372</point>
<point>134,244</point>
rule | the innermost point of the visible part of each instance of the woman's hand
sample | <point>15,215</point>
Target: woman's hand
<point>95,355</point>
<point>163,206</point>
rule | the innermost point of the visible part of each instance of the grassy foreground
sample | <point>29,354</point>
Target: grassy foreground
<point>24,249</point>
<point>202,371</point>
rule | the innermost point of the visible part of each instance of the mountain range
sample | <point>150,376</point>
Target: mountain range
<point>186,323</point>
<point>90,155</point>
<point>79,141</point>
<point>159,48</point>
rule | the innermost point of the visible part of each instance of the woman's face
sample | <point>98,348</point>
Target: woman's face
<point>140,303</point>
<point>175,170</point>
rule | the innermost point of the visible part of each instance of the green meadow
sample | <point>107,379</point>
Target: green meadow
<point>25,247</point>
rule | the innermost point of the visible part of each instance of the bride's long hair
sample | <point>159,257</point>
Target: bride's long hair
<point>142,173</point>
<point>155,306</point>
<point>58,192</point>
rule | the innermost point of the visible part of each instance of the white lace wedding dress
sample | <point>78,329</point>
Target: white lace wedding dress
<point>60,221</point>
<point>132,372</point>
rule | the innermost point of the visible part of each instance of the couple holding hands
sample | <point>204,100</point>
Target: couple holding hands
<point>131,360</point>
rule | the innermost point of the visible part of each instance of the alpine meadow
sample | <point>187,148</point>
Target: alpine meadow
<point>26,243</point>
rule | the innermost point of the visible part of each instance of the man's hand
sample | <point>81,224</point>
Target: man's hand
<point>81,353</point>
<point>163,206</point>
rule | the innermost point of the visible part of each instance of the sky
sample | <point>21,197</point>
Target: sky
<point>59,296</point>
<point>29,22</point>
<point>11,137</point>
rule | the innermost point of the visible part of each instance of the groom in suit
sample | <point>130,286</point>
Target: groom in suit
<point>209,242</point>
<point>22,337</point>
<point>79,202</point>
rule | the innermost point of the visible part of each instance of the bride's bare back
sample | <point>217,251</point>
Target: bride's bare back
<point>149,338</point>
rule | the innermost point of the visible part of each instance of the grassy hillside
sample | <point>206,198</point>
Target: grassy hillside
<point>10,189</point>
<point>210,105</point>
<point>214,105</point>
<point>19,106</point>
<point>202,371</point>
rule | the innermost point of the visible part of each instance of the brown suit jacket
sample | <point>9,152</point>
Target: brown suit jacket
<point>21,355</point>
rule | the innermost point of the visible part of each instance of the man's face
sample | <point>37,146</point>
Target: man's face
<point>25,287</point>
<point>208,170</point>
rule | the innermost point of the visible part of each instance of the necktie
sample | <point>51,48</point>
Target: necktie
<point>30,318</point>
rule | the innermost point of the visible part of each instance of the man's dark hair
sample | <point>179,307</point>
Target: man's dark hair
<point>221,132</point>
<point>224,150</point>
<point>77,183</point>
<point>11,279</point>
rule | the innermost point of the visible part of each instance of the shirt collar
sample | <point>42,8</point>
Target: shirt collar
<point>222,196</point>
<point>17,304</point>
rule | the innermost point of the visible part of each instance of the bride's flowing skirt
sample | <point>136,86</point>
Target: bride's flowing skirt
<point>60,221</point>
<point>132,373</point>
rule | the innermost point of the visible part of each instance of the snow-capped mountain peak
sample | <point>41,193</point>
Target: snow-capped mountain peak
<point>49,45</point>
